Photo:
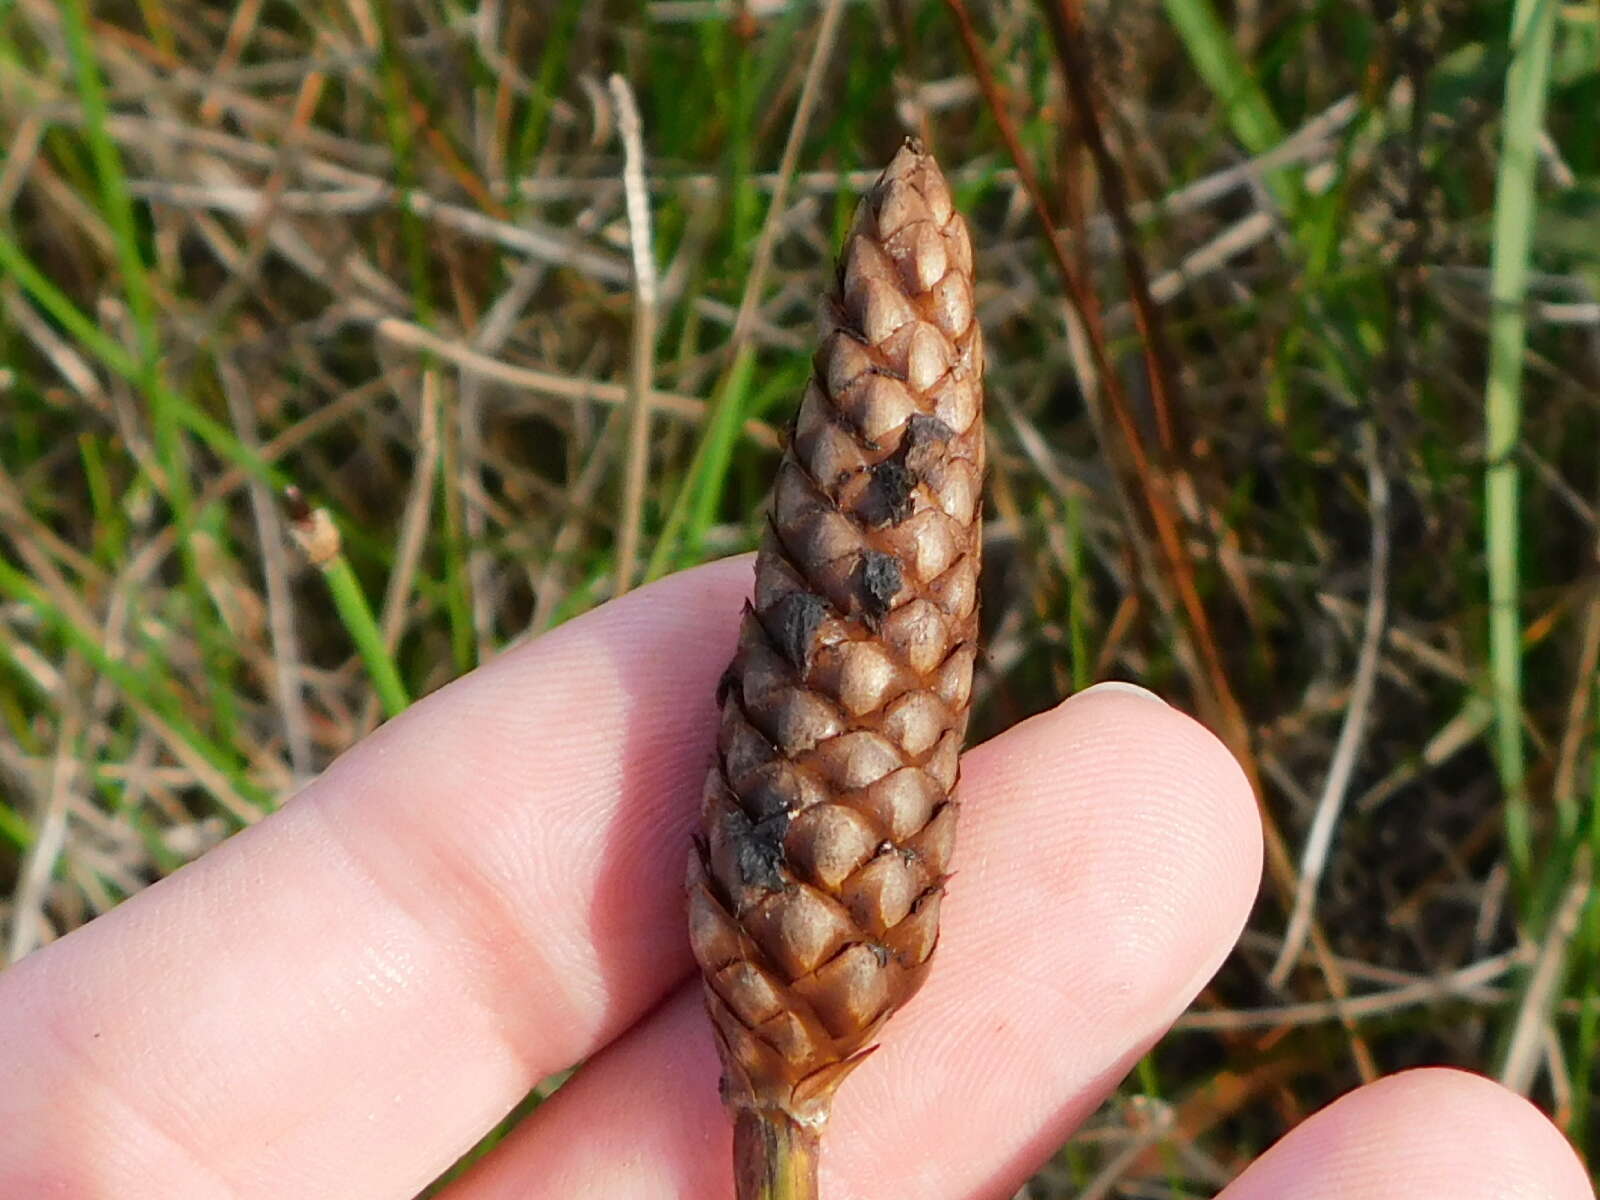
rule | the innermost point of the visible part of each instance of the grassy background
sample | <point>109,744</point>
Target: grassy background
<point>1294,316</point>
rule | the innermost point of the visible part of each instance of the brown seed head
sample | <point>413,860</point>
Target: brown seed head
<point>828,818</point>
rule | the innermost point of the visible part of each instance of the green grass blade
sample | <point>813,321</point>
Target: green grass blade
<point>1229,77</point>
<point>1588,976</point>
<point>1078,593</point>
<point>320,540</point>
<point>695,505</point>
<point>116,201</point>
<point>178,491</point>
<point>1527,82</point>
<point>14,829</point>
<point>351,603</point>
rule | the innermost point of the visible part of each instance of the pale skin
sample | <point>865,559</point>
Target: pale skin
<point>339,1001</point>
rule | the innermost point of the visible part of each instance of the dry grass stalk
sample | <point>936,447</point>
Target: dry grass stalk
<point>828,819</point>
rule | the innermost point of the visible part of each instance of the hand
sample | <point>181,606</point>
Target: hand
<point>341,1000</point>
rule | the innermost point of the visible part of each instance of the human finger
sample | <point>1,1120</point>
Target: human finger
<point>1430,1132</point>
<point>1108,856</point>
<point>341,999</point>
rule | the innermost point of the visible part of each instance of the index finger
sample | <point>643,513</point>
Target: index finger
<point>340,1000</point>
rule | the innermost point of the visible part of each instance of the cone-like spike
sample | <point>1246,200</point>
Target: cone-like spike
<point>828,819</point>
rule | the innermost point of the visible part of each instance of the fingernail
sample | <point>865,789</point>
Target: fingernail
<point>1124,688</point>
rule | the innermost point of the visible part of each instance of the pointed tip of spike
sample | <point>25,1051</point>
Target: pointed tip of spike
<point>912,188</point>
<point>912,154</point>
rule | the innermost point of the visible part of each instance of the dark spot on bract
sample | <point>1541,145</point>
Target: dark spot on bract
<point>793,623</point>
<point>758,849</point>
<point>887,499</point>
<point>879,582</point>
<point>770,794</point>
<point>879,952</point>
<point>923,428</point>
<point>925,439</point>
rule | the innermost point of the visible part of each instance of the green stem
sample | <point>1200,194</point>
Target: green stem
<point>1527,79</point>
<point>457,578</point>
<point>695,505</point>
<point>358,621</point>
<point>774,1157</point>
<point>319,538</point>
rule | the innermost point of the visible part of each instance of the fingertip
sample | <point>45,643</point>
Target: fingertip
<point>1133,743</point>
<point>1118,687</point>
<point>1470,1115</point>
<point>1434,1131</point>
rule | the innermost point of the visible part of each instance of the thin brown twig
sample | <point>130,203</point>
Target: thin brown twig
<point>1065,19</point>
<point>414,520</point>
<point>1455,985</point>
<point>1341,767</point>
<point>1564,789</point>
<point>491,333</point>
<point>1152,1121</point>
<point>1526,1047</point>
<point>548,383</point>
<point>547,587</point>
<point>241,28</point>
<point>246,267</point>
<point>1217,700</point>
<point>1217,697</point>
<point>39,863</point>
<point>805,106</point>
<point>287,676</point>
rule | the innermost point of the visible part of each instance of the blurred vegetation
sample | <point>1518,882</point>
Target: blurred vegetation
<point>1294,322</point>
